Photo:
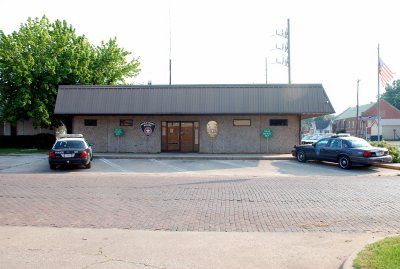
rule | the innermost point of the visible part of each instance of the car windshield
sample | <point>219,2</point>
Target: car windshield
<point>358,143</point>
<point>76,144</point>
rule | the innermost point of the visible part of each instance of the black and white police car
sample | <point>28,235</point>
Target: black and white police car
<point>71,149</point>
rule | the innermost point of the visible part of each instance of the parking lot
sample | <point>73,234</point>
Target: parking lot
<point>200,195</point>
<point>37,163</point>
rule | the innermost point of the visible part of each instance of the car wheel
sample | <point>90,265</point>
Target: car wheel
<point>301,156</point>
<point>344,162</point>
<point>53,166</point>
<point>88,165</point>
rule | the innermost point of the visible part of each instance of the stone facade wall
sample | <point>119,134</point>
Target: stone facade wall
<point>230,138</point>
<point>26,128</point>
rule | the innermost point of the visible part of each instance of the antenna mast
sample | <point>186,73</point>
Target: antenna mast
<point>285,48</point>
<point>170,45</point>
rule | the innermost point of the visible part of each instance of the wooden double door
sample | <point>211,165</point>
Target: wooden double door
<point>180,136</point>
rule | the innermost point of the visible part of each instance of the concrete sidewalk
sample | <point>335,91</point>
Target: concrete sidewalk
<point>36,247</point>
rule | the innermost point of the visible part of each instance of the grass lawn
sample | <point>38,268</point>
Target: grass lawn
<point>24,151</point>
<point>384,254</point>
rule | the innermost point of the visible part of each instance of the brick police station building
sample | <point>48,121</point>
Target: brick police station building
<point>254,118</point>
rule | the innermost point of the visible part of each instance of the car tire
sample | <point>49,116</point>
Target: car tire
<point>88,165</point>
<point>53,166</point>
<point>301,156</point>
<point>344,162</point>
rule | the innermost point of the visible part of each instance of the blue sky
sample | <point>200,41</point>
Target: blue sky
<point>223,42</point>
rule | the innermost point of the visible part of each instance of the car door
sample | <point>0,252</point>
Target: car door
<point>332,150</point>
<point>319,149</point>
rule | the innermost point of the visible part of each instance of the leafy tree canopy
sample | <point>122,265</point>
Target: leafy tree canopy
<point>42,55</point>
<point>392,94</point>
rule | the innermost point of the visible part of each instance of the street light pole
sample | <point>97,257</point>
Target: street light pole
<point>357,116</point>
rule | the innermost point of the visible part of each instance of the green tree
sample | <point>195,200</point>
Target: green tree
<point>110,65</point>
<point>41,56</point>
<point>392,94</point>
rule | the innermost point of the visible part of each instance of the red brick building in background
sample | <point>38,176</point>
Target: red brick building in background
<point>367,121</point>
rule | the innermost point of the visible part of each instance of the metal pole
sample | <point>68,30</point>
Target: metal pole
<point>357,116</point>
<point>170,44</point>
<point>266,70</point>
<point>379,99</point>
<point>170,71</point>
<point>288,59</point>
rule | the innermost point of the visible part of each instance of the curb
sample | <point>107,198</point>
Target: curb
<point>390,166</point>
<point>348,263</point>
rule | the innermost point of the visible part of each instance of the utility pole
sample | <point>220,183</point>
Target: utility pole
<point>379,100</point>
<point>357,116</point>
<point>285,48</point>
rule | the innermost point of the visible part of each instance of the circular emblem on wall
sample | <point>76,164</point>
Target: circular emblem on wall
<point>212,129</point>
<point>148,127</point>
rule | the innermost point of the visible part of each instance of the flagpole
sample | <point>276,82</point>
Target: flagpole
<point>379,99</point>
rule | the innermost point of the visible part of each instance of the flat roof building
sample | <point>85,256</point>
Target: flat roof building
<point>256,118</point>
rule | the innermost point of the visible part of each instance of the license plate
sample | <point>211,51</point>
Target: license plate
<point>67,155</point>
<point>379,153</point>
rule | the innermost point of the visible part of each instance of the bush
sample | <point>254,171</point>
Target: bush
<point>39,141</point>
<point>393,149</point>
<point>44,141</point>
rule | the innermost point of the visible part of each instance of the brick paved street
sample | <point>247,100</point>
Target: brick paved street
<point>198,203</point>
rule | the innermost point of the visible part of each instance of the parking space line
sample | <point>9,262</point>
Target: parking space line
<point>163,163</point>
<point>233,164</point>
<point>113,165</point>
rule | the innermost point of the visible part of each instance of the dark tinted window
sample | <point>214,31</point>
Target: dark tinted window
<point>322,143</point>
<point>336,143</point>
<point>126,123</point>
<point>76,144</point>
<point>278,122</point>
<point>358,143</point>
<point>90,122</point>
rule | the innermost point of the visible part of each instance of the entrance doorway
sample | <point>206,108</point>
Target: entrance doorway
<point>180,136</point>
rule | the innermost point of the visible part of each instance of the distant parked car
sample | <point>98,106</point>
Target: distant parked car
<point>71,149</point>
<point>311,139</point>
<point>344,150</point>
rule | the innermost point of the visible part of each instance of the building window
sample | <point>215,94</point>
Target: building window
<point>125,122</point>
<point>278,122</point>
<point>90,122</point>
<point>241,122</point>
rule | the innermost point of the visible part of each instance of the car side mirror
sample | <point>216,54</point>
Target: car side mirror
<point>313,144</point>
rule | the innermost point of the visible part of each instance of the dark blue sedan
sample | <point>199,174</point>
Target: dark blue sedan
<point>345,151</point>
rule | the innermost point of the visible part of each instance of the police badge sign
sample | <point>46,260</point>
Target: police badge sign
<point>148,127</point>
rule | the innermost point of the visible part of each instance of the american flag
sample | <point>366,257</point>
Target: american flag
<point>385,74</point>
